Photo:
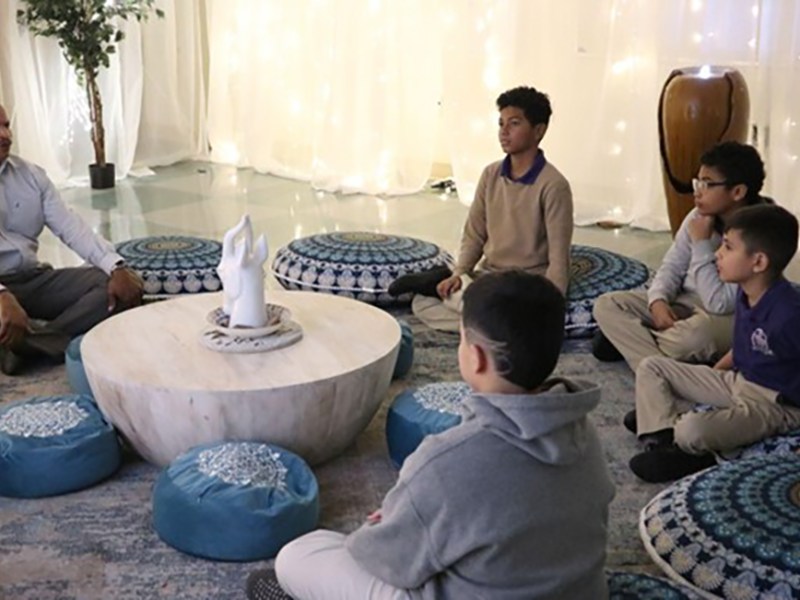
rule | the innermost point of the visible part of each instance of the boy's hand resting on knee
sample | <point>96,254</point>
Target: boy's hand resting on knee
<point>374,517</point>
<point>663,317</point>
<point>449,286</point>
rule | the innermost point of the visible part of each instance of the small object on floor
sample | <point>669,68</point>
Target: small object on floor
<point>629,421</point>
<point>603,350</point>
<point>423,283</point>
<point>667,464</point>
<point>10,361</point>
<point>405,355</point>
<point>76,374</point>
<point>263,585</point>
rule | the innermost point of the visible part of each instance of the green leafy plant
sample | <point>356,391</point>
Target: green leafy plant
<point>87,32</point>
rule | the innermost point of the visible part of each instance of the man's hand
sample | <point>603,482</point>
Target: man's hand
<point>125,289</point>
<point>13,320</point>
<point>449,286</point>
<point>700,228</point>
<point>663,317</point>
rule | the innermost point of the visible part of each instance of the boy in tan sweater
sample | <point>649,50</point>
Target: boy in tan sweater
<point>521,216</point>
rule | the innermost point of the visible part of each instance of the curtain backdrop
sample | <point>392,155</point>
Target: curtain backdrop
<point>360,95</point>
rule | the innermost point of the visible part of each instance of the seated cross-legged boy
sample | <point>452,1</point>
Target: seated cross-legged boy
<point>755,387</point>
<point>687,313</point>
<point>510,504</point>
<point>521,217</point>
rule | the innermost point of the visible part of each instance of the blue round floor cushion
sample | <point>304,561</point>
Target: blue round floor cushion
<point>787,443</point>
<point>594,272</point>
<point>418,412</point>
<point>356,264</point>
<point>238,501</point>
<point>405,357</point>
<point>54,445</point>
<point>638,586</point>
<point>174,264</point>
<point>732,531</point>
<point>76,374</point>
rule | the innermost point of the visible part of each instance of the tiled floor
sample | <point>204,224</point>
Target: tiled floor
<point>203,199</point>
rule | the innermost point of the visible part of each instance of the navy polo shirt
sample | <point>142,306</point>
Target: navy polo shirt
<point>530,177</point>
<point>766,340</point>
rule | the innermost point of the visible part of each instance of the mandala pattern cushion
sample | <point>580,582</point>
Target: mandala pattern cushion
<point>357,264</point>
<point>174,264</point>
<point>788,443</point>
<point>76,374</point>
<point>732,531</point>
<point>636,586</point>
<point>54,445</point>
<point>418,412</point>
<point>595,272</point>
<point>237,501</point>
<point>405,358</point>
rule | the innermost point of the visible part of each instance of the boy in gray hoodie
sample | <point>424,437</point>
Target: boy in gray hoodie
<point>510,504</point>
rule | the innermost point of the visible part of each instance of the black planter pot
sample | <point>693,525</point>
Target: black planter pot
<point>101,177</point>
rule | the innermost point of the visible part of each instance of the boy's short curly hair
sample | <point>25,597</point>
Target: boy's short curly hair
<point>535,104</point>
<point>738,163</point>
<point>518,319</point>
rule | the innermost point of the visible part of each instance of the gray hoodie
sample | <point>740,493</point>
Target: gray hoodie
<point>512,503</point>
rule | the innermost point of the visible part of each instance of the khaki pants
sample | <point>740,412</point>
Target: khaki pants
<point>71,301</point>
<point>317,566</point>
<point>698,337</point>
<point>745,412</point>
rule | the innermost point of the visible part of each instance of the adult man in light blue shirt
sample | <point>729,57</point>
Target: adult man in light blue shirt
<point>70,301</point>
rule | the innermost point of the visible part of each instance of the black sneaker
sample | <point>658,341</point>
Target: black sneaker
<point>667,464</point>
<point>629,421</point>
<point>10,361</point>
<point>603,350</point>
<point>423,283</point>
<point>263,585</point>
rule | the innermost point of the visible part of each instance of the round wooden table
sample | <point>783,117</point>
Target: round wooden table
<point>166,392</point>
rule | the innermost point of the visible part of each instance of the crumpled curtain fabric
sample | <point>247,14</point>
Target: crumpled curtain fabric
<point>153,95</point>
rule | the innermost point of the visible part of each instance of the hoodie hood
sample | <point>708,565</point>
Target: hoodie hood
<point>551,425</point>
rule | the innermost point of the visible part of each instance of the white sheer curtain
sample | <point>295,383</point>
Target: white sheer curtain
<point>342,93</point>
<point>49,109</point>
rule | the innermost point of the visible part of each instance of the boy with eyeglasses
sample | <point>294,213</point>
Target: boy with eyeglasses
<point>687,312</point>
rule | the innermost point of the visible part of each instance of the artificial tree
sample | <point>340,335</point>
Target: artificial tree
<point>87,32</point>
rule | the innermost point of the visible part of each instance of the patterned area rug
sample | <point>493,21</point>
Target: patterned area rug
<point>99,543</point>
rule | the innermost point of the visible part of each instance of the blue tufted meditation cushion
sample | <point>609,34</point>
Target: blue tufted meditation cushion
<point>732,531</point>
<point>174,264</point>
<point>405,358</point>
<point>76,374</point>
<point>235,501</point>
<point>638,586</point>
<point>595,272</point>
<point>356,264</point>
<point>417,412</point>
<point>54,445</point>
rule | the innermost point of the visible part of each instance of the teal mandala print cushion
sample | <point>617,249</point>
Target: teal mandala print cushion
<point>418,412</point>
<point>174,264</point>
<point>54,445</point>
<point>238,501</point>
<point>732,531</point>
<point>595,272</point>
<point>356,264</point>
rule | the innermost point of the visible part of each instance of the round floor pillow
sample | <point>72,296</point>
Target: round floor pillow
<point>76,374</point>
<point>238,501</point>
<point>418,412</point>
<point>638,586</point>
<point>174,264</point>
<point>732,531</point>
<point>405,357</point>
<point>54,445</point>
<point>593,272</point>
<point>787,443</point>
<point>356,264</point>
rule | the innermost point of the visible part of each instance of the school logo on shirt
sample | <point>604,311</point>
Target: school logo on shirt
<point>760,343</point>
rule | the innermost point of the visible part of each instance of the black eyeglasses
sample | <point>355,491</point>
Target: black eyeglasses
<point>701,185</point>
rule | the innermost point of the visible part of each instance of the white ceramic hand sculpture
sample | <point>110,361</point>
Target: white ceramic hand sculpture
<point>245,285</point>
<point>227,262</point>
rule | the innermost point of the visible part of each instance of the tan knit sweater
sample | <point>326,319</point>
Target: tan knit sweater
<point>514,225</point>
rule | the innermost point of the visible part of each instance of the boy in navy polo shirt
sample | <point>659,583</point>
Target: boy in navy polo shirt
<point>755,387</point>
